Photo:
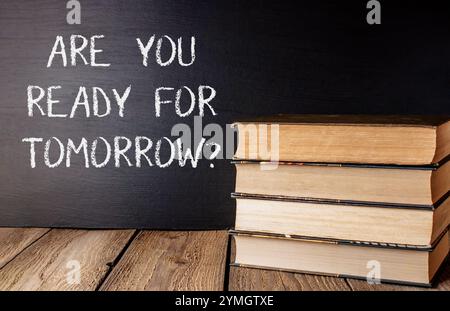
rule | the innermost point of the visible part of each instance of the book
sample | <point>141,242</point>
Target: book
<point>395,264</point>
<point>411,186</point>
<point>313,218</point>
<point>369,139</point>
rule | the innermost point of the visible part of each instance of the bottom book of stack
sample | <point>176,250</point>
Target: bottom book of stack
<point>394,263</point>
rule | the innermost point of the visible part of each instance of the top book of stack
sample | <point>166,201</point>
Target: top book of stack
<point>365,139</point>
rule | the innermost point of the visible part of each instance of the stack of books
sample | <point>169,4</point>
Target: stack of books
<point>344,195</point>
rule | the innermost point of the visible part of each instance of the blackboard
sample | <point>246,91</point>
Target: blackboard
<point>261,57</point>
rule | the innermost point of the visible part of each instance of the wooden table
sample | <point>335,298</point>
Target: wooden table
<point>40,259</point>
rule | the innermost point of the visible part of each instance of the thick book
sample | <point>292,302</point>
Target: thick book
<point>370,139</point>
<point>424,186</point>
<point>405,264</point>
<point>343,221</point>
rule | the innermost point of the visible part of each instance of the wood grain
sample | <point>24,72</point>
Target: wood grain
<point>36,259</point>
<point>43,265</point>
<point>172,260</point>
<point>249,279</point>
<point>15,240</point>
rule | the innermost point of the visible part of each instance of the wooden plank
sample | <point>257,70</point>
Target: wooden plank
<point>443,283</point>
<point>250,279</point>
<point>172,260</point>
<point>46,264</point>
<point>15,240</point>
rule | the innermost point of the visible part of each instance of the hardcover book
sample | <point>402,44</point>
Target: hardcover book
<point>369,139</point>
<point>383,185</point>
<point>405,264</point>
<point>345,221</point>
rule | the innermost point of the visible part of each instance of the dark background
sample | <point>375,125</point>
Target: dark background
<point>262,57</point>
